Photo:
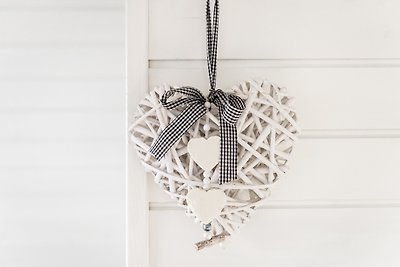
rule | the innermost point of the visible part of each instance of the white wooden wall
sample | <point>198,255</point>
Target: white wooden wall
<point>339,205</point>
<point>62,138</point>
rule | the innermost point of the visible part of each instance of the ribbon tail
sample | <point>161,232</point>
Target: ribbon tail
<point>176,129</point>
<point>228,150</point>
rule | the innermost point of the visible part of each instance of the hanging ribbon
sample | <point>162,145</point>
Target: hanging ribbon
<point>230,107</point>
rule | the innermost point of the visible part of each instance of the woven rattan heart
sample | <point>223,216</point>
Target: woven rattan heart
<point>267,132</point>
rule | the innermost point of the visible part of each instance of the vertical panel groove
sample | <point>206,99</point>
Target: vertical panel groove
<point>137,69</point>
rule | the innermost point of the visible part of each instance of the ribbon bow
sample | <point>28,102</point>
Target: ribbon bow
<point>230,107</point>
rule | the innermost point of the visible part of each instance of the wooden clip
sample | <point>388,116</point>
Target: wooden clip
<point>209,242</point>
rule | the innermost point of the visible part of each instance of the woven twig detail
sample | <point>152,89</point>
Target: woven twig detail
<point>267,131</point>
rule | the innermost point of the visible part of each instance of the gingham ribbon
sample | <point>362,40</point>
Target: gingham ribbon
<point>230,107</point>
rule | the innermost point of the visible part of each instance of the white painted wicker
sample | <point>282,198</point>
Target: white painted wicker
<point>267,131</point>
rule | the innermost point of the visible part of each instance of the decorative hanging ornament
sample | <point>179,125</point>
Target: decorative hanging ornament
<point>219,154</point>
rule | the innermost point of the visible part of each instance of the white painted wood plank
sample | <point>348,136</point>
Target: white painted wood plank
<point>62,155</point>
<point>277,29</point>
<point>301,237</point>
<point>61,4</point>
<point>280,63</point>
<point>326,98</point>
<point>53,95</point>
<point>34,63</point>
<point>46,27</point>
<point>54,126</point>
<point>46,182</point>
<point>334,172</point>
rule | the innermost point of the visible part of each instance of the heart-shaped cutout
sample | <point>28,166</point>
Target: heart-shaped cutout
<point>206,205</point>
<point>205,152</point>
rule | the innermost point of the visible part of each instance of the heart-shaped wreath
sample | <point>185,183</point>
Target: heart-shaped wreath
<point>257,126</point>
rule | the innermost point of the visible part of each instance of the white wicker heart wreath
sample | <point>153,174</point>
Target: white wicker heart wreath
<point>267,131</point>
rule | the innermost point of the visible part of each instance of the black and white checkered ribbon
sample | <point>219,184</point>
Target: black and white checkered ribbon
<point>230,107</point>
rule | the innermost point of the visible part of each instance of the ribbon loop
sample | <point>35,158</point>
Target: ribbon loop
<point>194,95</point>
<point>232,105</point>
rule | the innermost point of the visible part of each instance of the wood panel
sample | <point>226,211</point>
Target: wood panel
<point>44,26</point>
<point>338,205</point>
<point>277,29</point>
<point>63,95</point>
<point>66,126</point>
<point>280,237</point>
<point>42,183</point>
<point>61,62</point>
<point>62,157</point>
<point>326,98</point>
<point>92,5</point>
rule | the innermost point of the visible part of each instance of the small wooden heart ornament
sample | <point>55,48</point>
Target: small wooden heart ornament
<point>205,152</point>
<point>206,205</point>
